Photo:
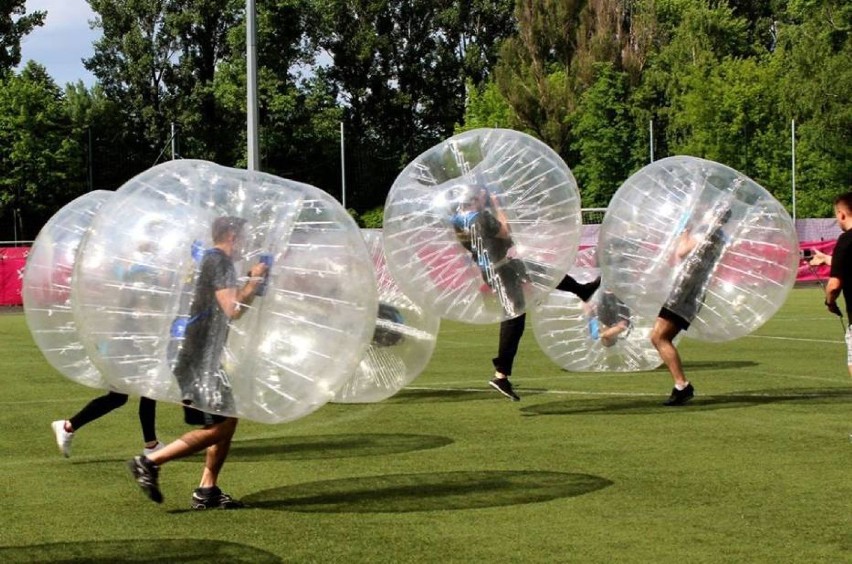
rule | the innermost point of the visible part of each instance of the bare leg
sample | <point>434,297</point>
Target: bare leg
<point>216,455</point>
<point>662,337</point>
<point>196,441</point>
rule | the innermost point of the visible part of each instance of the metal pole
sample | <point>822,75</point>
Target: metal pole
<point>91,183</point>
<point>173,140</point>
<point>793,164</point>
<point>342,169</point>
<point>651,138</point>
<point>251,87</point>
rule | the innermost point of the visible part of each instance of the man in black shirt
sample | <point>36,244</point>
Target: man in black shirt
<point>203,382</point>
<point>840,277</point>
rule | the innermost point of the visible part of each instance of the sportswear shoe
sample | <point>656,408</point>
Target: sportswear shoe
<point>587,290</point>
<point>146,451</point>
<point>63,437</point>
<point>503,386</point>
<point>680,397</point>
<point>145,473</point>
<point>214,498</point>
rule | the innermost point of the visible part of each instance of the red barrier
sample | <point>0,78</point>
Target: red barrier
<point>809,273</point>
<point>12,261</point>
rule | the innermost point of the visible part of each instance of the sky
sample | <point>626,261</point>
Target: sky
<point>63,41</point>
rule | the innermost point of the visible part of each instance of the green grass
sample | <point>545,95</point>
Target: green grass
<point>586,468</point>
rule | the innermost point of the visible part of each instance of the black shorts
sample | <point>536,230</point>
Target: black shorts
<point>192,416</point>
<point>679,321</point>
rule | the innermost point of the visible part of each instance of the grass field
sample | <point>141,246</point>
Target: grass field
<point>586,468</point>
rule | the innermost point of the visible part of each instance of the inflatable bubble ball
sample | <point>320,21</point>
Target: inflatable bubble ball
<point>482,224</point>
<point>161,258</point>
<point>47,289</point>
<point>601,334</point>
<point>702,240</point>
<point>403,341</point>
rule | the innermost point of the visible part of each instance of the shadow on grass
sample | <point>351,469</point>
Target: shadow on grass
<point>315,447</point>
<point>422,395</point>
<point>634,406</point>
<point>443,491</point>
<point>702,366</point>
<point>147,550</point>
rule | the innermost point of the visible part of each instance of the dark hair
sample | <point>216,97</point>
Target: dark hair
<point>226,224</point>
<point>845,199</point>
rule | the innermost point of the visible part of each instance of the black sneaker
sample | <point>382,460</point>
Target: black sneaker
<point>588,289</point>
<point>680,397</point>
<point>503,386</point>
<point>214,498</point>
<point>145,473</point>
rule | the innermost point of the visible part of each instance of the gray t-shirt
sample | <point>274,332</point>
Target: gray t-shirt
<point>199,359</point>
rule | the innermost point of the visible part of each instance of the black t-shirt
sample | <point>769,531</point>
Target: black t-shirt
<point>477,231</point>
<point>612,311</point>
<point>841,268</point>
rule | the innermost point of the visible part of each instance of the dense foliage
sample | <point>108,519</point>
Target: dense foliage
<point>606,83</point>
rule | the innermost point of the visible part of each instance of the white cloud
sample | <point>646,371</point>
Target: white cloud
<point>63,13</point>
<point>63,41</point>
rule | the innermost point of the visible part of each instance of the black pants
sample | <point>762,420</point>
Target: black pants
<point>512,330</point>
<point>102,405</point>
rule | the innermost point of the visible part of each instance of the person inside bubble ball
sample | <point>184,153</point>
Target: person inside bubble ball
<point>840,276</point>
<point>482,228</point>
<point>139,274</point>
<point>217,300</point>
<point>511,331</point>
<point>611,319</point>
<point>698,251</point>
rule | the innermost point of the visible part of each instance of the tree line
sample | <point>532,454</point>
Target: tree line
<point>608,84</point>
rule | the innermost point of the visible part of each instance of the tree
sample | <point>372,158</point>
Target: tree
<point>37,157</point>
<point>487,107</point>
<point>399,68</point>
<point>136,63</point>
<point>814,50</point>
<point>208,35</point>
<point>603,129</point>
<point>15,23</point>
<point>545,69</point>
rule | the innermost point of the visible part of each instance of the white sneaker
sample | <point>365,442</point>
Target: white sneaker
<point>159,446</point>
<point>63,437</point>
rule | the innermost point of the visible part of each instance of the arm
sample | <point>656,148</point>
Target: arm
<point>820,258</point>
<point>500,216</point>
<point>685,244</point>
<point>230,299</point>
<point>832,291</point>
<point>614,330</point>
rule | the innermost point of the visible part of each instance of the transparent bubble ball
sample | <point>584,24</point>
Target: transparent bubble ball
<point>601,335</point>
<point>47,289</point>
<point>441,236</point>
<point>292,348</point>
<point>702,239</point>
<point>403,341</point>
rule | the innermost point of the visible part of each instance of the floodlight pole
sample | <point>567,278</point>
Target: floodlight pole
<point>342,169</point>
<point>793,164</point>
<point>651,138</point>
<point>252,160</point>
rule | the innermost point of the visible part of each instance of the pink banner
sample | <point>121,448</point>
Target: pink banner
<point>12,261</point>
<point>809,273</point>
